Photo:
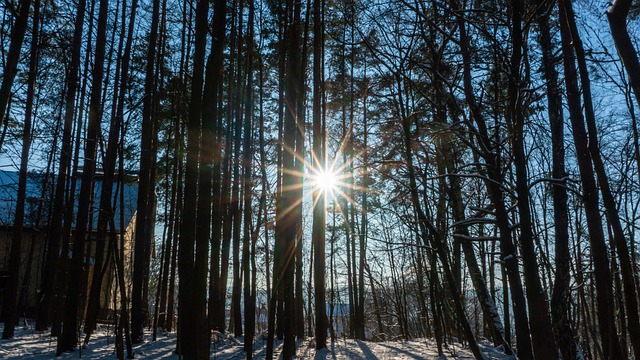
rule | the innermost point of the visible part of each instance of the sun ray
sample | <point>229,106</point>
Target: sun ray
<point>289,209</point>
<point>331,174</point>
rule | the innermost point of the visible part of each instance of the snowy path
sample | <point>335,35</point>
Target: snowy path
<point>29,344</point>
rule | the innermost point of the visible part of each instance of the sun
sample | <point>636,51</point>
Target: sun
<point>326,180</point>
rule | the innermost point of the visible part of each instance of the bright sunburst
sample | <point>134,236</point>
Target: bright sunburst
<point>326,180</point>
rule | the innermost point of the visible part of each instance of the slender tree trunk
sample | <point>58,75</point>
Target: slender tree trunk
<point>603,282</point>
<point>431,237</point>
<point>11,293</point>
<point>617,15</point>
<point>144,224</point>
<point>119,255</point>
<point>55,234</point>
<point>544,346</point>
<point>278,247</point>
<point>215,308</point>
<point>286,225</point>
<point>248,239</point>
<point>168,249</point>
<point>208,156</point>
<point>176,228</point>
<point>320,163</point>
<point>509,256</point>
<point>68,339</point>
<point>109,164</point>
<point>611,210</point>
<point>11,65</point>
<point>560,300</point>
<point>300,169</point>
<point>235,322</point>
<point>187,337</point>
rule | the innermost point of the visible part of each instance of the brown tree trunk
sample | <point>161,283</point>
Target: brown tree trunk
<point>431,237</point>
<point>187,337</point>
<point>176,227</point>
<point>299,166</point>
<point>144,218</point>
<point>68,339</point>
<point>208,156</point>
<point>275,322</point>
<point>11,293</point>
<point>54,235</point>
<point>320,163</point>
<point>109,164</point>
<point>11,65</point>
<point>248,254</point>
<point>286,225</point>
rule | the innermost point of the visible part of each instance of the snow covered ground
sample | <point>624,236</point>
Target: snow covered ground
<point>29,344</point>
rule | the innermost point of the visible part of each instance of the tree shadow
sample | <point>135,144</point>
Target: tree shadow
<point>403,351</point>
<point>366,351</point>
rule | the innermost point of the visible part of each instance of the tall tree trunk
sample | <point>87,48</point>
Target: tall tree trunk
<point>603,282</point>
<point>617,15</point>
<point>544,346</point>
<point>167,249</point>
<point>216,310</point>
<point>248,239</point>
<point>179,163</point>
<point>508,251</point>
<point>144,219</point>
<point>187,336</point>
<point>286,225</point>
<point>208,155</point>
<point>364,225</point>
<point>235,324</point>
<point>429,233</point>
<point>55,233</point>
<point>611,210</point>
<point>320,164</point>
<point>11,65</point>
<point>109,166</point>
<point>300,169</point>
<point>119,255</point>
<point>560,295</point>
<point>278,247</point>
<point>11,293</point>
<point>68,339</point>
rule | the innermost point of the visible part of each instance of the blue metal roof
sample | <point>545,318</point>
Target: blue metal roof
<point>38,216</point>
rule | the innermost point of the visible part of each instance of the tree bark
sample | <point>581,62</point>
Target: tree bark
<point>109,166</point>
<point>320,163</point>
<point>11,293</point>
<point>617,15</point>
<point>187,336</point>
<point>611,208</point>
<point>508,252</point>
<point>144,219</point>
<point>54,235</point>
<point>11,66</point>
<point>560,300</point>
<point>599,253</point>
<point>544,346</point>
<point>248,248</point>
<point>68,339</point>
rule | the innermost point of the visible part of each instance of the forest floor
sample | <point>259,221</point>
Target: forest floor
<point>30,344</point>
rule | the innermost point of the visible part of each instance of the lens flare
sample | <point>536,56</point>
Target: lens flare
<point>326,180</point>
